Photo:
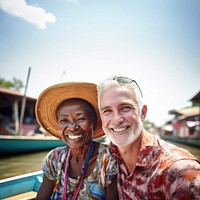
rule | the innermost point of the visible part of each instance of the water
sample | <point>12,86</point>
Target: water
<point>194,150</point>
<point>20,164</point>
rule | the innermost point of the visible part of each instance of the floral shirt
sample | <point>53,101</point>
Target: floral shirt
<point>163,172</point>
<point>93,186</point>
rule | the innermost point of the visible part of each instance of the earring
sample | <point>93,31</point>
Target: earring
<point>92,128</point>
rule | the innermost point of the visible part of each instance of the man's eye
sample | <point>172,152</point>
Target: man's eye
<point>125,108</point>
<point>107,111</point>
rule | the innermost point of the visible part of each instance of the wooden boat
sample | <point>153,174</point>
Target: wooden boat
<point>25,144</point>
<point>21,187</point>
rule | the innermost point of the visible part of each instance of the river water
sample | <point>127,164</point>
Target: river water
<point>20,164</point>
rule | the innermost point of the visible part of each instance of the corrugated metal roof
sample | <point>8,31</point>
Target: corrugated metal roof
<point>188,112</point>
<point>10,92</point>
<point>196,98</point>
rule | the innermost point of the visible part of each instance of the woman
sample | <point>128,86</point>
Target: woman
<point>83,169</point>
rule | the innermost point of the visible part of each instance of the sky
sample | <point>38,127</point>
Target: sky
<point>156,43</point>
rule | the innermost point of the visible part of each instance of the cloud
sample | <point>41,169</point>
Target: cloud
<point>35,15</point>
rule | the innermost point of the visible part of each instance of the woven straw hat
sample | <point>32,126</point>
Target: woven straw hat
<point>50,99</point>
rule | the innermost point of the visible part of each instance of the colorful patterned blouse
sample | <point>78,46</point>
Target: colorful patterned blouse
<point>163,172</point>
<point>105,170</point>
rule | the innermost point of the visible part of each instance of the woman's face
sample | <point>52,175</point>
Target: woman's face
<point>75,123</point>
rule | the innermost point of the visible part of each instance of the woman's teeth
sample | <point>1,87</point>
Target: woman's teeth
<point>73,137</point>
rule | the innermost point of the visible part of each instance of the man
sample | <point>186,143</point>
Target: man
<point>149,168</point>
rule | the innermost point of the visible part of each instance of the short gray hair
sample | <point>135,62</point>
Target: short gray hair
<point>114,81</point>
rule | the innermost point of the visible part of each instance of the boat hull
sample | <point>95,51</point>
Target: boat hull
<point>26,144</point>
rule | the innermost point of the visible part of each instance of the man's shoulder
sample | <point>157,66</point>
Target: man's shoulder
<point>183,179</point>
<point>167,153</point>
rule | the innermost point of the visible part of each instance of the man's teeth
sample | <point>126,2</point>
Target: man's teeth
<point>119,129</point>
<point>74,136</point>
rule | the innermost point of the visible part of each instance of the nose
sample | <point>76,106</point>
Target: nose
<point>72,126</point>
<point>117,118</point>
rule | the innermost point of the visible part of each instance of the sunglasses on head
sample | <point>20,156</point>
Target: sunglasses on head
<point>126,80</point>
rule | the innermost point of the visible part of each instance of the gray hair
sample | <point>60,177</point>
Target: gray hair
<point>114,81</point>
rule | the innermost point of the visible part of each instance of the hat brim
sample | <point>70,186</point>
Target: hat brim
<point>50,99</point>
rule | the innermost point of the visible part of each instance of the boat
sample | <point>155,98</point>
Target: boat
<point>25,144</point>
<point>194,142</point>
<point>23,186</point>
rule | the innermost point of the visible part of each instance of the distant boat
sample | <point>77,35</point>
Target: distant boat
<point>25,144</point>
<point>21,187</point>
<point>191,141</point>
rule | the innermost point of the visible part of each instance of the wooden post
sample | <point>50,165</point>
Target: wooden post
<point>16,115</point>
<point>24,103</point>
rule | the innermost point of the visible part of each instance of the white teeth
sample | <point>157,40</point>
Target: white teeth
<point>119,129</point>
<point>73,137</point>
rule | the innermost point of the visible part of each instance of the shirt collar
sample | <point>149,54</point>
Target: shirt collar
<point>148,154</point>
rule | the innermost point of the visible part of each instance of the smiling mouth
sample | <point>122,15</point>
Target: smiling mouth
<point>119,129</point>
<point>74,137</point>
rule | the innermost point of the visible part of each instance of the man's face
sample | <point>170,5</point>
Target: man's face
<point>120,115</point>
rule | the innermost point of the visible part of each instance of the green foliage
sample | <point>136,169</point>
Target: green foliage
<point>149,124</point>
<point>172,111</point>
<point>15,84</point>
<point>195,104</point>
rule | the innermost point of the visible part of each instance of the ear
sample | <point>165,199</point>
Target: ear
<point>144,112</point>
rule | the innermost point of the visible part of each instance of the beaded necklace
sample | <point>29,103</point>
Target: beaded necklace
<point>81,176</point>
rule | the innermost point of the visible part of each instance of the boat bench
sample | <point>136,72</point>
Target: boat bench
<point>24,196</point>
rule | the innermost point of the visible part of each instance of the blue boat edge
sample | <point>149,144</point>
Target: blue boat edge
<point>20,184</point>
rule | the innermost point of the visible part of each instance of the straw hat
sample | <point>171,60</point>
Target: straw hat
<point>50,99</point>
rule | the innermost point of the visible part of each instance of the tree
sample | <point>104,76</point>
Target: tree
<point>15,84</point>
<point>149,124</point>
<point>172,111</point>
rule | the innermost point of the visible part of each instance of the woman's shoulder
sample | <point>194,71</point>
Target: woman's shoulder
<point>105,155</point>
<point>103,148</point>
<point>59,149</point>
<point>58,152</point>
<point>106,165</point>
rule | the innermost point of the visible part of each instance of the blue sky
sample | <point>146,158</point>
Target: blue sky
<point>155,42</point>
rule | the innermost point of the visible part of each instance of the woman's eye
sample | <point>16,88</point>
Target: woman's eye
<point>80,120</point>
<point>63,121</point>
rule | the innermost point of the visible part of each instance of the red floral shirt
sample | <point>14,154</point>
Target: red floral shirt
<point>163,172</point>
